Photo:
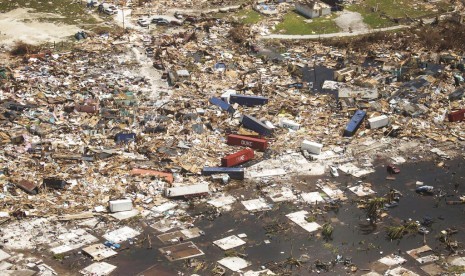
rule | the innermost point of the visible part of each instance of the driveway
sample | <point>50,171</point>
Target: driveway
<point>351,21</point>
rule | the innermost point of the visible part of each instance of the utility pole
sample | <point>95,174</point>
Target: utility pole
<point>122,14</point>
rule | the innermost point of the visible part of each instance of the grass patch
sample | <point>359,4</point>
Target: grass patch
<point>58,257</point>
<point>247,16</point>
<point>388,10</point>
<point>294,24</point>
<point>375,20</point>
<point>456,269</point>
<point>219,15</point>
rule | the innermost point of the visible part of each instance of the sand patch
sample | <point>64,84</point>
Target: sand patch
<point>20,24</point>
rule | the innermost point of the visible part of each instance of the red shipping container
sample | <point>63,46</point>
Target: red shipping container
<point>457,115</point>
<point>237,158</point>
<point>254,143</point>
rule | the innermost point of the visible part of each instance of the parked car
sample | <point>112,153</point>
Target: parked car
<point>110,10</point>
<point>149,52</point>
<point>160,21</point>
<point>156,19</point>
<point>190,19</point>
<point>158,64</point>
<point>333,171</point>
<point>176,22</point>
<point>428,190</point>
<point>143,22</point>
<point>297,85</point>
<point>392,169</point>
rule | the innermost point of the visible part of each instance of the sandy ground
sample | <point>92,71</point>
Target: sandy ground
<point>19,24</point>
<point>351,21</point>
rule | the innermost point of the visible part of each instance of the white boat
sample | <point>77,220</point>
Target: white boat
<point>333,171</point>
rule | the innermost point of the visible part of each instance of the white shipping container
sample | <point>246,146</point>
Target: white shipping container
<point>227,93</point>
<point>311,147</point>
<point>377,122</point>
<point>289,124</point>
<point>120,205</point>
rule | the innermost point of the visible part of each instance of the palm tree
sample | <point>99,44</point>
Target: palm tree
<point>327,231</point>
<point>373,207</point>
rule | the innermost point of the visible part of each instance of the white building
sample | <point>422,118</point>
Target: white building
<point>312,9</point>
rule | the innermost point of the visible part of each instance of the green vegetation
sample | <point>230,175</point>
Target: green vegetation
<point>294,24</point>
<point>327,231</point>
<point>331,248</point>
<point>58,257</point>
<point>381,13</point>
<point>58,11</point>
<point>373,208</point>
<point>310,219</point>
<point>372,19</point>
<point>247,16</point>
<point>397,232</point>
<point>456,269</point>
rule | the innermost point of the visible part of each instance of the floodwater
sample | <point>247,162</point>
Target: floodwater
<point>287,241</point>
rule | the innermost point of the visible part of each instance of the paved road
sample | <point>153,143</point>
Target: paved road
<point>198,11</point>
<point>341,34</point>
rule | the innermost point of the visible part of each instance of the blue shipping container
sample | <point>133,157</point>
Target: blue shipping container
<point>125,137</point>
<point>354,123</point>
<point>222,104</point>
<point>255,125</point>
<point>234,173</point>
<point>247,100</point>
